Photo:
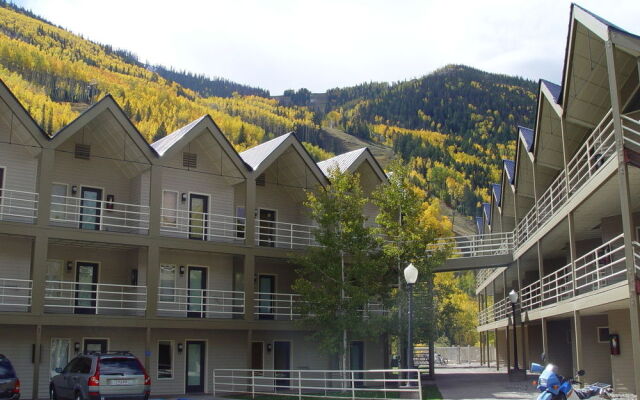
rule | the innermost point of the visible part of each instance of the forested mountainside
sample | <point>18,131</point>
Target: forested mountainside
<point>56,74</point>
<point>455,125</point>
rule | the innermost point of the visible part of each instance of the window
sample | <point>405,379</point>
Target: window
<point>603,334</point>
<point>167,283</point>
<point>240,222</point>
<point>58,201</point>
<point>169,208</point>
<point>120,366</point>
<point>165,359</point>
<point>59,354</point>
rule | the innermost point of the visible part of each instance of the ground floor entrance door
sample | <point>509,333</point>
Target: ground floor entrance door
<point>282,364</point>
<point>257,355</point>
<point>196,350</point>
<point>86,288</point>
<point>266,288</point>
<point>356,354</point>
<point>90,208</point>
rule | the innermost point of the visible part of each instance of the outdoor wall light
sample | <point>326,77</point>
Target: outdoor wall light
<point>269,347</point>
<point>182,270</point>
<point>74,189</point>
<point>180,348</point>
<point>76,346</point>
<point>183,197</point>
<point>69,265</point>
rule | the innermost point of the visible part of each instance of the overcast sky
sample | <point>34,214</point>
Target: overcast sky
<point>321,44</point>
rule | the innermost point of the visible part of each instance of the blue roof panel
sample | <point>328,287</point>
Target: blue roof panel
<point>554,89</point>
<point>527,135</point>
<point>510,167</point>
<point>486,207</point>
<point>497,192</point>
<point>479,225</point>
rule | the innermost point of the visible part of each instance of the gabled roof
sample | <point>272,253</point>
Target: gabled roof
<point>260,157</point>
<point>25,117</point>
<point>256,155</point>
<point>509,168</point>
<point>107,103</point>
<point>554,90</point>
<point>174,141</point>
<point>350,162</point>
<point>486,208</point>
<point>479,225</point>
<point>527,136</point>
<point>496,189</point>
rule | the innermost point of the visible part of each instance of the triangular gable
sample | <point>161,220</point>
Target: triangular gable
<point>27,121</point>
<point>106,104</point>
<point>496,190</point>
<point>527,137</point>
<point>509,169</point>
<point>260,157</point>
<point>479,225</point>
<point>351,161</point>
<point>173,142</point>
<point>486,208</point>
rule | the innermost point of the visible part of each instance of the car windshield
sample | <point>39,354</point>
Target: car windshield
<point>6,369</point>
<point>120,366</point>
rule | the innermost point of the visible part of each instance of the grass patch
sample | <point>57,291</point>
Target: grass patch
<point>429,392</point>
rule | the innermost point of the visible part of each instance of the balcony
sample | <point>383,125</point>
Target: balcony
<point>600,268</point>
<point>200,303</point>
<point>631,131</point>
<point>284,234</point>
<point>201,226</point>
<point>18,206</point>
<point>66,297</point>
<point>99,215</point>
<point>15,295</point>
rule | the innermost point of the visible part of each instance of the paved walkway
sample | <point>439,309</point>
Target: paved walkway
<point>475,383</point>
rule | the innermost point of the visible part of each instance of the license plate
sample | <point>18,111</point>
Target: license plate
<point>120,381</point>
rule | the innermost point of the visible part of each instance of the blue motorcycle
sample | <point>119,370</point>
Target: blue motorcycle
<point>553,386</point>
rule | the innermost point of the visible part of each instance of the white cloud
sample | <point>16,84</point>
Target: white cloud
<point>280,44</point>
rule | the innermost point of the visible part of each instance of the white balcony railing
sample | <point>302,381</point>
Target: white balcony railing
<point>18,206</point>
<point>597,269</point>
<point>94,298</point>
<point>199,303</point>
<point>15,294</point>
<point>631,131</point>
<point>636,256</point>
<point>100,215</point>
<point>276,306</point>
<point>201,226</point>
<point>284,234</point>
<point>478,245</point>
<point>306,383</point>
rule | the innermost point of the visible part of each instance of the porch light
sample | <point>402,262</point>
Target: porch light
<point>513,296</point>
<point>182,270</point>
<point>76,346</point>
<point>69,265</point>
<point>183,197</point>
<point>268,347</point>
<point>74,189</point>
<point>411,274</point>
<point>180,348</point>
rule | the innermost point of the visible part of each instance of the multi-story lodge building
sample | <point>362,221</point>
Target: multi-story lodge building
<point>563,225</point>
<point>180,251</point>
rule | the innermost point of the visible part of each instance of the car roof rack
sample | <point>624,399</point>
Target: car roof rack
<point>109,353</point>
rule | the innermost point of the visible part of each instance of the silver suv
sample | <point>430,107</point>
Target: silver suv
<point>117,375</point>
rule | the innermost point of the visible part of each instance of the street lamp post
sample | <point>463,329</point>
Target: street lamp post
<point>411,276</point>
<point>513,298</point>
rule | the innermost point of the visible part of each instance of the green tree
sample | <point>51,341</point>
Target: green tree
<point>341,276</point>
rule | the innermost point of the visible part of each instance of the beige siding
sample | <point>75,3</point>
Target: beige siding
<point>286,201</point>
<point>596,359</point>
<point>283,270</point>
<point>15,257</point>
<point>21,168</point>
<point>16,343</point>
<point>622,364</point>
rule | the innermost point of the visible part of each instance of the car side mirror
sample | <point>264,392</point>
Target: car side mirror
<point>58,370</point>
<point>581,372</point>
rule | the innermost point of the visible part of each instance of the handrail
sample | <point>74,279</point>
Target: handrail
<point>202,226</point>
<point>284,234</point>
<point>15,294</point>
<point>99,214</point>
<point>208,303</point>
<point>306,383</point>
<point>277,305</point>
<point>631,130</point>
<point>477,245</point>
<point>18,205</point>
<point>98,298</point>
<point>636,256</point>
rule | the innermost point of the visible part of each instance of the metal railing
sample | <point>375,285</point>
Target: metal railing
<point>200,303</point>
<point>361,384</point>
<point>488,244</point>
<point>94,298</point>
<point>100,215</point>
<point>15,294</point>
<point>201,226</point>
<point>631,131</point>
<point>277,306</point>
<point>284,234</point>
<point>597,269</point>
<point>18,206</point>
<point>636,256</point>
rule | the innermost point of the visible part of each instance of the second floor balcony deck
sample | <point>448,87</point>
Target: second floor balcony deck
<point>18,206</point>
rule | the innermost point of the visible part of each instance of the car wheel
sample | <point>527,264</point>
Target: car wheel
<point>52,393</point>
<point>78,396</point>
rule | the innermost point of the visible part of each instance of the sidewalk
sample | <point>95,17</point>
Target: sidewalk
<point>477,383</point>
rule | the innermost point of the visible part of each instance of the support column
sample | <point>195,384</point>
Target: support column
<point>45,177</point>
<point>577,331</point>
<point>155,200</point>
<point>39,272</point>
<point>147,349</point>
<point>249,271</point>
<point>153,279</point>
<point>250,211</point>
<point>36,361</point>
<point>625,206</point>
<point>488,347</point>
<point>540,271</point>
<point>545,338</point>
<point>249,348</point>
<point>495,336</point>
<point>508,346</point>
<point>572,250</point>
